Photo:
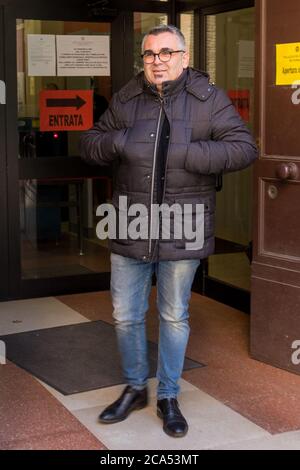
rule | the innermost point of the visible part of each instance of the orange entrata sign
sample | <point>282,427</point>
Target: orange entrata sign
<point>66,110</point>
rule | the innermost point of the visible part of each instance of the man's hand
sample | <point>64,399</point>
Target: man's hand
<point>113,142</point>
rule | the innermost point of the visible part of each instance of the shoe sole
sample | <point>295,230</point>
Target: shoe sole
<point>118,420</point>
<point>178,434</point>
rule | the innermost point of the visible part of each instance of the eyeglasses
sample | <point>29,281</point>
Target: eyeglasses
<point>164,56</point>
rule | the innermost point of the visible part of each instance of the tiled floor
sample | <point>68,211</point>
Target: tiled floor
<point>233,403</point>
<point>32,419</point>
<point>209,421</point>
<point>27,315</point>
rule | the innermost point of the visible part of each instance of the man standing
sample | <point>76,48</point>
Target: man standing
<point>170,132</point>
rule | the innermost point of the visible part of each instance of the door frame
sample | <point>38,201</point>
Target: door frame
<point>3,176</point>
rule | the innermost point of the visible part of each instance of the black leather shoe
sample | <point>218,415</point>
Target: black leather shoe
<point>175,424</point>
<point>130,400</point>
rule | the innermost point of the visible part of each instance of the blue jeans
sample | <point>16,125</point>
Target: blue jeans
<point>131,282</point>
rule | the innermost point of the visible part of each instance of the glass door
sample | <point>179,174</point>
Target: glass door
<point>59,65</point>
<point>229,59</point>
<point>57,213</point>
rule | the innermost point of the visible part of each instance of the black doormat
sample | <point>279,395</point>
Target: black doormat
<point>74,358</point>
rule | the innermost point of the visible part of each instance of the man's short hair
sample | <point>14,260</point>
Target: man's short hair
<point>165,28</point>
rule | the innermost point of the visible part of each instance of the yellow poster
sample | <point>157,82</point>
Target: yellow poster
<point>287,63</point>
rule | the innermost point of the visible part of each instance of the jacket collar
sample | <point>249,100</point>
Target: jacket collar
<point>194,81</point>
<point>199,84</point>
<point>171,87</point>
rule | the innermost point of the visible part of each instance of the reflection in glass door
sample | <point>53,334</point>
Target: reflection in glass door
<point>142,23</point>
<point>187,27</point>
<point>230,63</point>
<point>57,214</point>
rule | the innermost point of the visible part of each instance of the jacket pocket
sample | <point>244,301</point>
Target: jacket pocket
<point>119,140</point>
<point>143,131</point>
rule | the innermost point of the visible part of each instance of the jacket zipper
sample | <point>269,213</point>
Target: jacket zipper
<point>153,174</point>
<point>166,166</point>
<point>165,173</point>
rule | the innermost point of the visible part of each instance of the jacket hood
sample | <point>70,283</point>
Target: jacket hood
<point>196,82</point>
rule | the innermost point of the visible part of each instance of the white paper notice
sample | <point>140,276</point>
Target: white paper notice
<point>83,55</point>
<point>246,59</point>
<point>41,55</point>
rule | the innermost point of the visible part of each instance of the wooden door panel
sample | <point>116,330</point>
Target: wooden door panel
<point>281,25</point>
<point>280,234</point>
<point>274,330</point>
<point>275,294</point>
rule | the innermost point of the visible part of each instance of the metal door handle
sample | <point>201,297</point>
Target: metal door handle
<point>287,171</point>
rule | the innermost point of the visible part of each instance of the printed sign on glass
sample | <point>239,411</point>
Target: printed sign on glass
<point>83,55</point>
<point>66,110</point>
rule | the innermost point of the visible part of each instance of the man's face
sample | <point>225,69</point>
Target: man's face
<point>160,72</point>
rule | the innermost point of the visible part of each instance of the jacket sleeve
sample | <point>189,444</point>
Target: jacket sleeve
<point>231,146</point>
<point>99,145</point>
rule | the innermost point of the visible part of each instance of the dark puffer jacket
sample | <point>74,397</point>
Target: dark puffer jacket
<point>207,138</point>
